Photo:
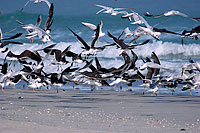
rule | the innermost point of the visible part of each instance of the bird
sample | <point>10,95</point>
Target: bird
<point>36,1</point>
<point>194,33</point>
<point>89,50</point>
<point>35,30</point>
<point>152,65</point>
<point>113,11</point>
<point>170,13</point>
<point>3,43</point>
<point>124,46</point>
<point>154,89</point>
<point>137,18</point>
<point>26,54</point>
<point>94,27</point>
<point>135,34</point>
<point>157,61</point>
<point>149,31</point>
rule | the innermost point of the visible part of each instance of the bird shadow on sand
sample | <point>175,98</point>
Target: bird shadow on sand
<point>182,100</point>
<point>76,107</point>
<point>84,100</point>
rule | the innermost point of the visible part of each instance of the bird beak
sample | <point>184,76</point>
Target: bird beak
<point>122,52</point>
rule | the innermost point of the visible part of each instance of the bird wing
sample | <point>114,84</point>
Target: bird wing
<point>39,20</point>
<point>96,36</point>
<point>80,39</point>
<point>20,23</point>
<point>30,55</point>
<point>1,35</point>
<point>104,7</point>
<point>48,3</point>
<point>9,42</point>
<point>100,11</point>
<point>91,26</point>
<point>101,24</point>
<point>149,73</point>
<point>165,31</point>
<point>118,9</point>
<point>32,34</point>
<point>182,14</point>
<point>13,37</point>
<point>97,63</point>
<point>47,49</point>
<point>127,32</point>
<point>155,60</point>
<point>144,21</point>
<point>49,20</point>
<point>25,5</point>
<point>134,59</point>
<point>120,43</point>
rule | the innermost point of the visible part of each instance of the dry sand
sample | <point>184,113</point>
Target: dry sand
<point>96,112</point>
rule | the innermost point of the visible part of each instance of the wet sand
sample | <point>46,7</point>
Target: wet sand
<point>96,112</point>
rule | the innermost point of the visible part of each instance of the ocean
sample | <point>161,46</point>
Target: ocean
<point>68,13</point>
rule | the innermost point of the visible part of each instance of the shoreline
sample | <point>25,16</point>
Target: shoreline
<point>98,111</point>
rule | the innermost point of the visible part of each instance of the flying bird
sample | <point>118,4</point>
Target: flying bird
<point>171,13</point>
<point>37,1</point>
<point>35,30</point>
<point>94,27</point>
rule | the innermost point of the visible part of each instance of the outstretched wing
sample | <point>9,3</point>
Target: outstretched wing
<point>96,36</point>
<point>49,20</point>
<point>89,25</point>
<point>13,37</point>
<point>39,20</point>
<point>155,60</point>
<point>1,35</point>
<point>9,42</point>
<point>25,5</point>
<point>120,43</point>
<point>48,3</point>
<point>80,39</point>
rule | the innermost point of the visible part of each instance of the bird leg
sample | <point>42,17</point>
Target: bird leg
<point>98,41</point>
<point>32,89</point>
<point>14,88</point>
<point>114,87</point>
<point>2,90</point>
<point>143,91</point>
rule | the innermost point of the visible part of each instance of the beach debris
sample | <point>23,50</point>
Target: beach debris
<point>182,129</point>
<point>20,97</point>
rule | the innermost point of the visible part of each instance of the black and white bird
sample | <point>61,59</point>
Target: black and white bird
<point>5,41</point>
<point>124,46</point>
<point>194,33</point>
<point>90,50</point>
<point>94,27</point>
<point>35,30</point>
<point>112,11</point>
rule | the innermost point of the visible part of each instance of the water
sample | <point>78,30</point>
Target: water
<point>72,13</point>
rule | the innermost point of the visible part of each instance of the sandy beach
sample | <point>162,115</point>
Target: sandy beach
<point>96,112</point>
